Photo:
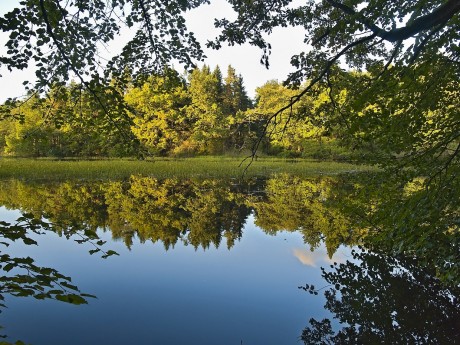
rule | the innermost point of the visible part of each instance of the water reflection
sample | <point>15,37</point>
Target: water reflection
<point>197,213</point>
<point>318,257</point>
<point>386,300</point>
<point>380,299</point>
<point>308,206</point>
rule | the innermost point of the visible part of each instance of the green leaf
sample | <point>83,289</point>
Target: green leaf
<point>91,234</point>
<point>88,295</point>
<point>9,267</point>
<point>109,253</point>
<point>69,286</point>
<point>29,241</point>
<point>73,299</point>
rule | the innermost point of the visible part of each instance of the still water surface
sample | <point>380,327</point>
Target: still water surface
<point>189,294</point>
<point>216,262</point>
<point>152,296</point>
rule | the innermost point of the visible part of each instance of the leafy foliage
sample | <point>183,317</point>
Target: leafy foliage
<point>158,110</point>
<point>382,299</point>
<point>23,278</point>
<point>64,38</point>
<point>398,98</point>
<point>308,206</point>
<point>163,115</point>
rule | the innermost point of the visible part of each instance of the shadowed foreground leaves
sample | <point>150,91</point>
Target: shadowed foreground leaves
<point>385,300</point>
<point>22,277</point>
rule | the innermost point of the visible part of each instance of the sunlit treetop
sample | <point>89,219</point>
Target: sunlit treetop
<point>68,40</point>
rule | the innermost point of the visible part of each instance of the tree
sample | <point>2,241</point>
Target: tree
<point>64,43</point>
<point>62,40</point>
<point>405,56</point>
<point>235,102</point>
<point>32,135</point>
<point>291,128</point>
<point>158,111</point>
<point>361,35</point>
<point>373,299</point>
<point>235,97</point>
<point>206,109</point>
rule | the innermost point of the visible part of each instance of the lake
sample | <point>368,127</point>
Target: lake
<point>209,261</point>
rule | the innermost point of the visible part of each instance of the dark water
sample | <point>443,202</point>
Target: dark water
<point>207,262</point>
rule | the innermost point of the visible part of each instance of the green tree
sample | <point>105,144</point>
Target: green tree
<point>64,122</point>
<point>206,110</point>
<point>235,97</point>
<point>158,111</point>
<point>235,102</point>
<point>290,129</point>
<point>33,134</point>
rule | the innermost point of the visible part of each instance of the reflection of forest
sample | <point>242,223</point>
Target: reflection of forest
<point>376,298</point>
<point>199,213</point>
<point>310,206</point>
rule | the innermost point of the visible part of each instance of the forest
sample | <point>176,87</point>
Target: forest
<point>169,114</point>
<point>374,82</point>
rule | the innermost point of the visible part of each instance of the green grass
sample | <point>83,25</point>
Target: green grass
<point>200,167</point>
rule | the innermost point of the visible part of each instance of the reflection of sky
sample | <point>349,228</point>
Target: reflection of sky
<point>183,296</point>
<point>319,256</point>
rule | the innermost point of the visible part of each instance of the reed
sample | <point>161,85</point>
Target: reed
<point>199,167</point>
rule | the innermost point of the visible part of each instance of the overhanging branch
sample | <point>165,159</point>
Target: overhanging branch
<point>71,66</point>
<point>426,22</point>
<point>299,96</point>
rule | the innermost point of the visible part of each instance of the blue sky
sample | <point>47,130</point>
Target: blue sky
<point>245,59</point>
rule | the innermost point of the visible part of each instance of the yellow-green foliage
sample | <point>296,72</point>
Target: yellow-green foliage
<point>158,112</point>
<point>295,204</point>
<point>291,128</point>
<point>197,212</point>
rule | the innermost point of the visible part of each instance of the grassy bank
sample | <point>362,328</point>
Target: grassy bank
<point>205,167</point>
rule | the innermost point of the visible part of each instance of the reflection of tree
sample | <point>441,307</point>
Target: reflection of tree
<point>147,208</point>
<point>379,299</point>
<point>386,300</point>
<point>64,204</point>
<point>306,205</point>
<point>403,218</point>
<point>217,211</point>
<point>205,223</point>
<point>199,213</point>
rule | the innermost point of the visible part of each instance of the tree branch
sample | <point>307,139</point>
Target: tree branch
<point>69,64</point>
<point>148,23</point>
<point>439,16</point>
<point>297,97</point>
<point>418,49</point>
